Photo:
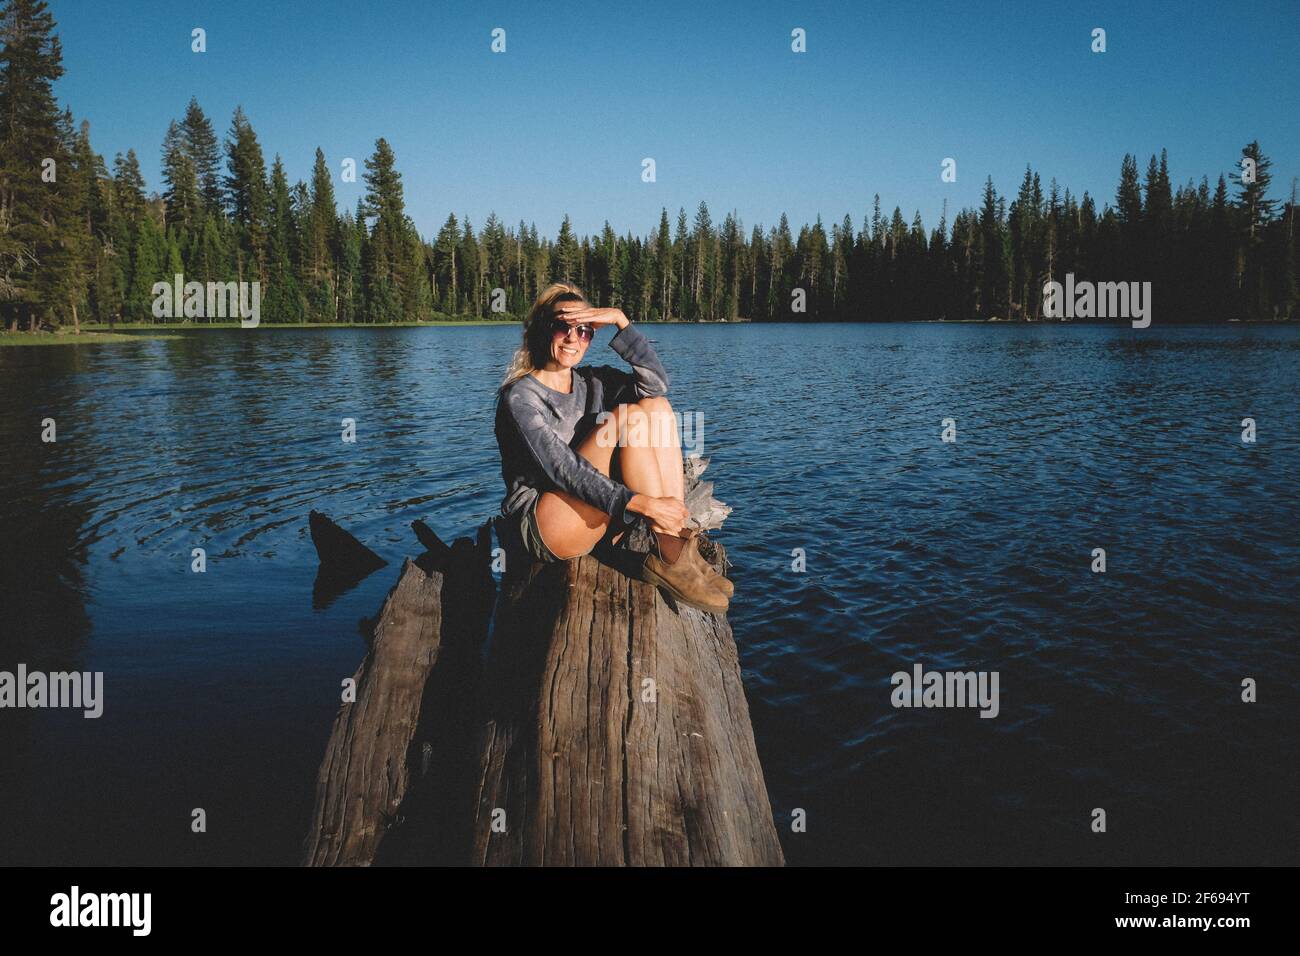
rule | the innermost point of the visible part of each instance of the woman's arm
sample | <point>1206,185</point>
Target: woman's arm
<point>667,513</point>
<point>566,469</point>
<point>649,378</point>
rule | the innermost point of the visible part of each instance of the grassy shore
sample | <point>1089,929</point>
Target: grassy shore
<point>94,333</point>
<point>234,324</point>
<point>68,337</point>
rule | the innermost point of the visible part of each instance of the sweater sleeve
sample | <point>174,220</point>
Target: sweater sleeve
<point>649,378</point>
<point>565,468</point>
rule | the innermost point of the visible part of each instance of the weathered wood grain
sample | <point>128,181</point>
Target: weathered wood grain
<point>615,730</point>
<point>402,748</point>
<point>707,512</point>
<point>604,726</point>
<point>365,774</point>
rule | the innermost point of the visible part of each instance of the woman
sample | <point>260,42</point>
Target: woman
<point>585,450</point>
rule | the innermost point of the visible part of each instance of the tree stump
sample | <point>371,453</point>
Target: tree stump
<point>615,730</point>
<point>604,725</point>
<point>409,722</point>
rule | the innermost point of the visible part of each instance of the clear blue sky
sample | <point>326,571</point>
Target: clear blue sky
<point>561,121</point>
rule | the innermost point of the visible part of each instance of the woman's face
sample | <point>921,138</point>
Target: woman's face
<point>567,347</point>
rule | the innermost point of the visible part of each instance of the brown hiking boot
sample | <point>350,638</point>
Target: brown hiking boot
<point>719,581</point>
<point>685,582</point>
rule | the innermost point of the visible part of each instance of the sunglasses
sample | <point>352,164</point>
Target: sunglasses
<point>560,329</point>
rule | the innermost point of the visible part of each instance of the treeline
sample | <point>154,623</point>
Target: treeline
<point>80,241</point>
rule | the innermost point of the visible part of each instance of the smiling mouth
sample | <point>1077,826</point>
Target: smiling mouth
<point>568,351</point>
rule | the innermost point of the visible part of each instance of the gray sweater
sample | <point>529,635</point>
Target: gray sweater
<point>538,427</point>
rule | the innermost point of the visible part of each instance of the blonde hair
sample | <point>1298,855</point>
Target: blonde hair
<point>535,348</point>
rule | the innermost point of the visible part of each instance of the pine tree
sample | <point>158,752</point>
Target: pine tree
<point>782,282</point>
<point>471,263</point>
<point>93,205</point>
<point>246,197</point>
<point>495,266</point>
<point>281,294</point>
<point>731,249</point>
<point>352,240</point>
<point>61,279</point>
<point>32,209</point>
<point>1252,199</point>
<point>128,188</point>
<point>993,273</point>
<point>320,244</point>
<point>211,258</point>
<point>385,263</point>
<point>127,213</point>
<point>664,267</point>
<point>565,254</point>
<point>1022,233</point>
<point>182,192</point>
<point>702,264</point>
<point>149,262</point>
<point>680,241</point>
<point>446,249</point>
<point>1128,206</point>
<point>1254,211</point>
<point>610,276</point>
<point>199,142</point>
<point>417,288</point>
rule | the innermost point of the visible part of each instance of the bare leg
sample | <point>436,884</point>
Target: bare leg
<point>571,527</point>
<point>650,444</point>
<point>667,445</point>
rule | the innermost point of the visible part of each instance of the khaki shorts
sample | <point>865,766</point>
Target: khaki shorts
<point>534,546</point>
<point>530,537</point>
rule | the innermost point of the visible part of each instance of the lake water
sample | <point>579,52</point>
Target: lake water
<point>1119,690</point>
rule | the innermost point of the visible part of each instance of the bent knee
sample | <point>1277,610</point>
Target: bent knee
<point>655,403</point>
<point>630,413</point>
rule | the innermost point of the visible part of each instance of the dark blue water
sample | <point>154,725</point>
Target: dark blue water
<point>1118,690</point>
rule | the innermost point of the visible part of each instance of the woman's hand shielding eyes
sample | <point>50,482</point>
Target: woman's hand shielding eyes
<point>591,316</point>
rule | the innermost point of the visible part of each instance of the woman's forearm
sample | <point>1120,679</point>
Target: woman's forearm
<point>649,374</point>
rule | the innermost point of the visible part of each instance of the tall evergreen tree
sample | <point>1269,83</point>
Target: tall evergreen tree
<point>92,203</point>
<point>182,192</point>
<point>283,301</point>
<point>199,142</point>
<point>993,273</point>
<point>61,280</point>
<point>1252,196</point>
<point>567,254</point>
<point>664,266</point>
<point>32,148</point>
<point>386,264</point>
<point>446,255</point>
<point>321,243</point>
<point>246,197</point>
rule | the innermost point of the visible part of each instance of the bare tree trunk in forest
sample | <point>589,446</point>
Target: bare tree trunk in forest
<point>697,281</point>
